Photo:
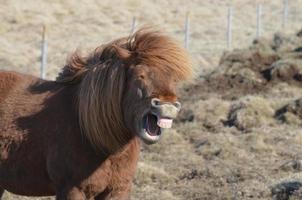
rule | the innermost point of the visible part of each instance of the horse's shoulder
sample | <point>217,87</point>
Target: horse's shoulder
<point>8,81</point>
<point>9,76</point>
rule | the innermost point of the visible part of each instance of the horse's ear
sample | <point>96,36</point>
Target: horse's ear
<point>122,53</point>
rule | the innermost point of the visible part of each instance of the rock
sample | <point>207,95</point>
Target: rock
<point>284,190</point>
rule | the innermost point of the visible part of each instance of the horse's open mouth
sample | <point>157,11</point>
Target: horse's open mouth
<point>152,127</point>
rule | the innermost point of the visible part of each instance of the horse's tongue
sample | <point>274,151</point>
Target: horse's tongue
<point>164,122</point>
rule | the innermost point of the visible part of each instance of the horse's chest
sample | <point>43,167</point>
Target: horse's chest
<point>112,176</point>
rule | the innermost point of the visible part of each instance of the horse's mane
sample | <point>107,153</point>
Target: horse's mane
<point>101,77</point>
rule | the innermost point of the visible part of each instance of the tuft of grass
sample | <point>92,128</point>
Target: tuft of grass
<point>251,111</point>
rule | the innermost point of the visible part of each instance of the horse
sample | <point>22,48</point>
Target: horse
<point>78,137</point>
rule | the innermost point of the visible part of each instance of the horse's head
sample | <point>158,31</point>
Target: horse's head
<point>127,88</point>
<point>150,102</point>
<point>155,64</point>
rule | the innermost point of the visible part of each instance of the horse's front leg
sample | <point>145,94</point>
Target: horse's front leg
<point>121,196</point>
<point>115,194</point>
<point>70,193</point>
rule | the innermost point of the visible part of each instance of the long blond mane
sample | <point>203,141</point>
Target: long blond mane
<point>101,77</point>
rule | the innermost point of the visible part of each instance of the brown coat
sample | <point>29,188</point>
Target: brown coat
<point>42,150</point>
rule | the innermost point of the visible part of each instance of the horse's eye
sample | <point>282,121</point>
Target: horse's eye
<point>142,77</point>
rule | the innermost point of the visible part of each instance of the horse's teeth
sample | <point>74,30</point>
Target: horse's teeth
<point>164,123</point>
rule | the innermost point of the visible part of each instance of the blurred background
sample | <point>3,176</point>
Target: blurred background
<point>239,135</point>
<point>86,24</point>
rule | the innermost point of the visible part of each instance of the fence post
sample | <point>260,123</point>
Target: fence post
<point>133,25</point>
<point>43,53</point>
<point>285,13</point>
<point>229,28</point>
<point>187,30</point>
<point>259,15</point>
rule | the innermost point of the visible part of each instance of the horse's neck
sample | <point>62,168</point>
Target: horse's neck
<point>132,149</point>
<point>126,159</point>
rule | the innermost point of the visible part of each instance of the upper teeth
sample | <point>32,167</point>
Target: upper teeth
<point>164,123</point>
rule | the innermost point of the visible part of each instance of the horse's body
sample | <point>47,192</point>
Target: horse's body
<point>42,149</point>
<point>77,137</point>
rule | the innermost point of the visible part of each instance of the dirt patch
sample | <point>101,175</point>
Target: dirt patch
<point>258,68</point>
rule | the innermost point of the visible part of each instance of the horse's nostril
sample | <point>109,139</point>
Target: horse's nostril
<point>155,102</point>
<point>177,104</point>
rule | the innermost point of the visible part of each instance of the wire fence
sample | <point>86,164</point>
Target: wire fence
<point>231,35</point>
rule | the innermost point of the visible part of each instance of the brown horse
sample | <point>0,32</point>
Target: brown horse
<point>77,137</point>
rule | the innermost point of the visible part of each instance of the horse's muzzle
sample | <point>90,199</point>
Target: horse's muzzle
<point>165,109</point>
